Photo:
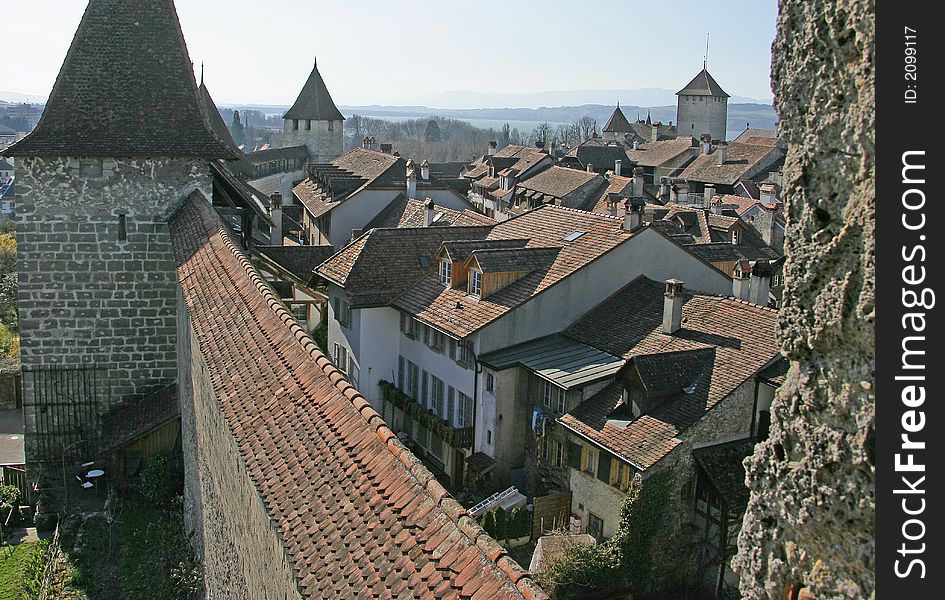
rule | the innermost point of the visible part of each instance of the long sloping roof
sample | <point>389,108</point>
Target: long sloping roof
<point>357,513</point>
<point>126,89</point>
<point>703,84</point>
<point>314,101</point>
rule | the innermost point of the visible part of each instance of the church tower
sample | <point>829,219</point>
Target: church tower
<point>121,143</point>
<point>702,107</point>
<point>315,122</point>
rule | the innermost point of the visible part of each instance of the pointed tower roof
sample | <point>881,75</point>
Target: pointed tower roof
<point>314,102</point>
<point>703,84</point>
<point>617,123</point>
<point>126,89</point>
<point>217,124</point>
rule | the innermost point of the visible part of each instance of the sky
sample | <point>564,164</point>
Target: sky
<point>398,51</point>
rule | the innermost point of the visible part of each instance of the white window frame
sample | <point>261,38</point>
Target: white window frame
<point>446,272</point>
<point>490,381</point>
<point>475,283</point>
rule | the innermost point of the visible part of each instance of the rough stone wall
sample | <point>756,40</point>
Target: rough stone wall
<point>224,515</point>
<point>324,144</point>
<point>810,520</point>
<point>85,296</point>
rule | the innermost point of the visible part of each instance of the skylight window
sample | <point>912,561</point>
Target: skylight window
<point>574,235</point>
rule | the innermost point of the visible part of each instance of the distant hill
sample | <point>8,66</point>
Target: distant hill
<point>637,97</point>
<point>21,98</point>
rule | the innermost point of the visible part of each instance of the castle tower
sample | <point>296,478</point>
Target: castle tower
<point>617,126</point>
<point>122,141</point>
<point>315,122</point>
<point>702,107</point>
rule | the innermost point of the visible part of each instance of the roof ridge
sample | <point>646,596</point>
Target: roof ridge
<point>442,499</point>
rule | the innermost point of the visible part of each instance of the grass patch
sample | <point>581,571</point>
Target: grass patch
<point>16,563</point>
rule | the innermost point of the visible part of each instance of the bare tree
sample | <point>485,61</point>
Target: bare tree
<point>586,127</point>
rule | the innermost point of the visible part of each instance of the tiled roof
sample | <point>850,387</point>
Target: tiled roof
<point>727,252</point>
<point>406,212</point>
<point>703,84</point>
<point>453,311</point>
<point>723,465</point>
<point>559,182</point>
<point>471,217</point>
<point>382,263</point>
<point>314,101</point>
<point>216,119</point>
<point>655,154</point>
<point>739,335</point>
<point>617,123</point>
<point>461,250</point>
<point>740,160</point>
<point>300,261</point>
<point>522,158</point>
<point>777,372</point>
<point>759,135</point>
<point>126,89</point>
<point>515,260</point>
<point>601,154</point>
<point>332,183</point>
<point>357,513</point>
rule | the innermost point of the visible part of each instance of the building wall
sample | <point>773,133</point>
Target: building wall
<point>378,350</point>
<point>225,517</point>
<point>648,253</point>
<point>696,115</point>
<point>591,495</point>
<point>86,297</point>
<point>323,145</point>
<point>356,212</point>
<point>283,183</point>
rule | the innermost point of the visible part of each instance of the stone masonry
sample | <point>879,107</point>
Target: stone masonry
<point>87,296</point>
<point>810,519</point>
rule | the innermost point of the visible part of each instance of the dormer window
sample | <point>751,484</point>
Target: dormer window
<point>475,283</point>
<point>446,272</point>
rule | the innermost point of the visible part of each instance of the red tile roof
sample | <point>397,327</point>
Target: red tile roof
<point>737,337</point>
<point>357,513</point>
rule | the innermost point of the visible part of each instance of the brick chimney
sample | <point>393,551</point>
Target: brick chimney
<point>656,130</point>
<point>429,212</point>
<point>276,234</point>
<point>721,154</point>
<point>760,282</point>
<point>740,279</point>
<point>672,306</point>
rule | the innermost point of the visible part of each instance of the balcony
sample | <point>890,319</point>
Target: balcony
<point>452,436</point>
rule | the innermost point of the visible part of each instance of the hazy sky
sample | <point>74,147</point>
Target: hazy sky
<point>389,51</point>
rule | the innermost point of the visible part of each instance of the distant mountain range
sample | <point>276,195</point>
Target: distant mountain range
<point>20,98</point>
<point>638,97</point>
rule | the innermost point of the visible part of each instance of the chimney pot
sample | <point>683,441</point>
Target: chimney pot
<point>429,212</point>
<point>590,168</point>
<point>618,167</point>
<point>740,280</point>
<point>672,306</point>
<point>707,196</point>
<point>721,155</point>
<point>760,282</point>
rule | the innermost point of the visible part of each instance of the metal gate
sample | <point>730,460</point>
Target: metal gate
<point>63,407</point>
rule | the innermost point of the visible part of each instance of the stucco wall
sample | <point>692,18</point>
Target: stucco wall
<point>225,517</point>
<point>810,520</point>
<point>356,212</point>
<point>696,115</point>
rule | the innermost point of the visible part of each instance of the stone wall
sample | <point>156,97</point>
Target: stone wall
<point>810,520</point>
<point>224,515</point>
<point>86,296</point>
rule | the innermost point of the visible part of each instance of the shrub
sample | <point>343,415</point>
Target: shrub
<point>501,527</point>
<point>488,523</point>
<point>162,479</point>
<point>520,522</point>
<point>10,500</point>
<point>582,571</point>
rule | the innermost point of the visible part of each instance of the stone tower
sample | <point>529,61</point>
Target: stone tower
<point>315,122</point>
<point>122,141</point>
<point>702,107</point>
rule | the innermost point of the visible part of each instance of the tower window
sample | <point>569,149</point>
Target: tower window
<point>122,228</point>
<point>308,125</point>
<point>90,168</point>
<point>295,124</point>
<point>331,125</point>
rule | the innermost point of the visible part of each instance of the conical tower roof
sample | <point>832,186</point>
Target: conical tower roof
<point>314,102</point>
<point>126,89</point>
<point>617,123</point>
<point>703,84</point>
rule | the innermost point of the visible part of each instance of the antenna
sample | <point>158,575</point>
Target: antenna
<point>705,63</point>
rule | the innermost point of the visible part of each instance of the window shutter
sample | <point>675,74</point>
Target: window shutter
<point>426,335</point>
<point>468,410</point>
<point>574,456</point>
<point>426,390</point>
<point>603,467</point>
<point>625,478</point>
<point>450,406</point>
<point>400,374</point>
<point>338,309</point>
<point>584,457</point>
<point>614,472</point>
<point>403,322</point>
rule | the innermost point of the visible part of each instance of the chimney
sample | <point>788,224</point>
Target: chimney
<point>387,148</point>
<point>672,306</point>
<point>636,144</point>
<point>656,130</point>
<point>706,143</point>
<point>618,167</point>
<point>411,180</point>
<point>356,233</point>
<point>740,279</point>
<point>372,143</point>
<point>425,170</point>
<point>429,212</point>
<point>760,283</point>
<point>590,167</point>
<point>767,225</point>
<point>707,197</point>
<point>540,144</point>
<point>721,154</point>
<point>366,143</point>
<point>768,194</point>
<point>682,193</point>
<point>492,149</point>
<point>637,188</point>
<point>276,234</point>
<point>633,217</point>
<point>665,189</point>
